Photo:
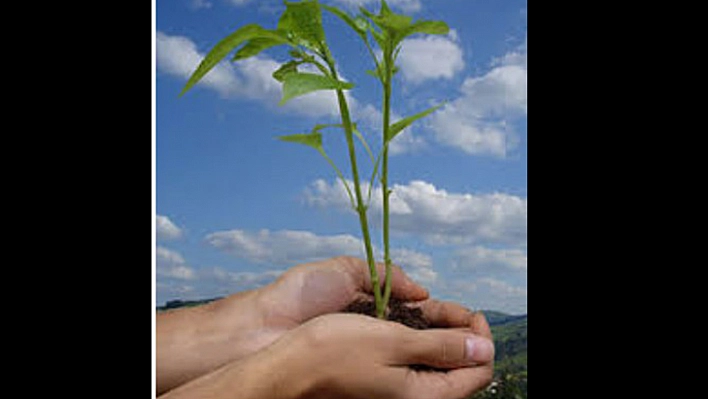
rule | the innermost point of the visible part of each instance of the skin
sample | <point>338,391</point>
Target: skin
<point>281,341</point>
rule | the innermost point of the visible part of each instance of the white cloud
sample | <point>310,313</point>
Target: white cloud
<point>421,209</point>
<point>491,293</point>
<point>406,142</point>
<point>285,247</point>
<point>171,264</point>
<point>478,122</point>
<point>166,230</point>
<point>373,5</point>
<point>417,266</point>
<point>172,289</point>
<point>456,126</point>
<point>430,57</point>
<point>199,4</point>
<point>177,55</point>
<point>241,280</point>
<point>371,119</point>
<point>492,260</point>
<point>239,2</point>
<point>250,78</point>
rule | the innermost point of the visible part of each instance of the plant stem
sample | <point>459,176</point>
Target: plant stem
<point>384,173</point>
<point>360,207</point>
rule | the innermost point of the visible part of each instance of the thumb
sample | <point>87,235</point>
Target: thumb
<point>446,349</point>
<point>402,286</point>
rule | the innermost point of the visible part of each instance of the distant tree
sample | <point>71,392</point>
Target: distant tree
<point>505,386</point>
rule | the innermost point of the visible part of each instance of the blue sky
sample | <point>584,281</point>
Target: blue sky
<point>235,207</point>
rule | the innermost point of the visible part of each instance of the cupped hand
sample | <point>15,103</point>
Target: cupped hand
<point>303,292</point>
<point>313,289</point>
<point>348,356</point>
<point>356,357</point>
<point>194,341</point>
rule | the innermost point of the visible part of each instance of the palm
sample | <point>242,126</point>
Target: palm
<point>300,294</point>
<point>314,289</point>
<point>309,292</point>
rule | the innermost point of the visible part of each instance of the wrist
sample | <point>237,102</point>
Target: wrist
<point>278,372</point>
<point>195,341</point>
<point>263,375</point>
<point>235,322</point>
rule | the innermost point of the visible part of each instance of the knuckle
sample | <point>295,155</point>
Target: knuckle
<point>317,334</point>
<point>345,259</point>
<point>397,269</point>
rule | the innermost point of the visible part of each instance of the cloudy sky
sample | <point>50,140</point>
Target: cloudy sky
<point>236,207</point>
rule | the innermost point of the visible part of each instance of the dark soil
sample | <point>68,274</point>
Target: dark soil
<point>398,312</point>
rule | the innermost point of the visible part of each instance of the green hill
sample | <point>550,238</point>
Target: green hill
<point>177,303</point>
<point>510,360</point>
<point>510,341</point>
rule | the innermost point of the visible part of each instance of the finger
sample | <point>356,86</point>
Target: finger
<point>443,348</point>
<point>402,286</point>
<point>454,384</point>
<point>480,326</point>
<point>446,314</point>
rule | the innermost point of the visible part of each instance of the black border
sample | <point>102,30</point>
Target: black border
<point>97,187</point>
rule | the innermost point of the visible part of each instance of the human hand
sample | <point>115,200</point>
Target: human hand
<point>313,289</point>
<point>351,356</point>
<point>192,342</point>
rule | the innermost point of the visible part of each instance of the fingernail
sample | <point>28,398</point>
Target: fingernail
<point>479,350</point>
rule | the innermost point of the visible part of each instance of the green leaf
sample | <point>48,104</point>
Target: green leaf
<point>296,84</point>
<point>222,48</point>
<point>319,127</point>
<point>385,10</point>
<point>359,25</point>
<point>258,44</point>
<point>288,67</point>
<point>378,72</point>
<point>397,127</point>
<point>374,73</point>
<point>390,23</point>
<point>394,23</point>
<point>301,55</point>
<point>381,38</point>
<point>367,13</point>
<point>362,23</point>
<point>428,27</point>
<point>302,22</point>
<point>313,140</point>
<point>396,27</point>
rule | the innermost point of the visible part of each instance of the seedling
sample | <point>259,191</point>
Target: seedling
<point>300,28</point>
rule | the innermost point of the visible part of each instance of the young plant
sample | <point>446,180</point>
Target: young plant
<point>300,28</point>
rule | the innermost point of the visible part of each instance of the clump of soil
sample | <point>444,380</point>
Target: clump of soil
<point>398,312</point>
